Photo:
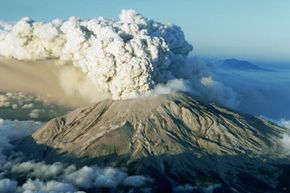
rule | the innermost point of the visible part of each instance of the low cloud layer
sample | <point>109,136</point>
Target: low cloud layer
<point>25,106</point>
<point>32,176</point>
<point>260,92</point>
<point>12,130</point>
<point>286,137</point>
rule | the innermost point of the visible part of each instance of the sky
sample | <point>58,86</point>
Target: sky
<point>256,30</point>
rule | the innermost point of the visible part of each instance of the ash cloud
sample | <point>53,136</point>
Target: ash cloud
<point>123,57</point>
<point>76,84</point>
<point>4,26</point>
<point>134,56</point>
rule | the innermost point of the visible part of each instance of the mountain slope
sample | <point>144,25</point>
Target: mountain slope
<point>172,138</point>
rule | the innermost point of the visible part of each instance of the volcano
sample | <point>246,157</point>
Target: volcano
<point>176,140</point>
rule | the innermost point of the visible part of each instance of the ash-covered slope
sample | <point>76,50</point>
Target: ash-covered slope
<point>174,137</point>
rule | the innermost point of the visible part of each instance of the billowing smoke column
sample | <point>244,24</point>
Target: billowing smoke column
<point>125,57</point>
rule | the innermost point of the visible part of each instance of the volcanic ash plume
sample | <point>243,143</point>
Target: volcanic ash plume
<point>125,57</point>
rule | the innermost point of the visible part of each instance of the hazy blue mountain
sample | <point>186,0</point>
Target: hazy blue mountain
<point>241,65</point>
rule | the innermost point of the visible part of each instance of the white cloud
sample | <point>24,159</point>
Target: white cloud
<point>109,177</point>
<point>35,113</point>
<point>39,169</point>
<point>83,178</point>
<point>284,123</point>
<point>171,86</point>
<point>207,81</point>
<point>88,177</point>
<point>33,186</point>
<point>286,142</point>
<point>286,137</point>
<point>28,106</point>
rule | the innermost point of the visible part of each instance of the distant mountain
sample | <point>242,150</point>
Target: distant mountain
<point>241,65</point>
<point>175,139</point>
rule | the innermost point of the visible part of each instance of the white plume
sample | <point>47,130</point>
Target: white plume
<point>124,57</point>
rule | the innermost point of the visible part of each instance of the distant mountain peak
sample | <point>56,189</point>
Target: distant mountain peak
<point>241,65</point>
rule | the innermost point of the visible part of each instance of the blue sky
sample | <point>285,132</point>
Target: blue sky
<point>244,29</point>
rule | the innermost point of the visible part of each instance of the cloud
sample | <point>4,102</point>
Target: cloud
<point>286,137</point>
<point>4,26</point>
<point>281,122</point>
<point>171,86</point>
<point>35,113</point>
<point>12,130</point>
<point>217,91</point>
<point>286,142</point>
<point>89,177</point>
<point>39,169</point>
<point>75,83</point>
<point>4,101</point>
<point>83,178</point>
<point>284,123</point>
<point>8,186</point>
<point>32,186</point>
<point>133,56</point>
<point>259,92</point>
<point>124,57</point>
<point>28,106</point>
<point>109,177</point>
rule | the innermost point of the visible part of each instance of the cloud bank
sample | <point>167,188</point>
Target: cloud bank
<point>12,130</point>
